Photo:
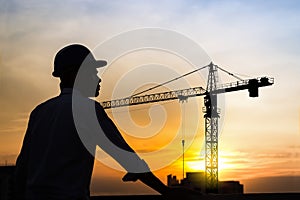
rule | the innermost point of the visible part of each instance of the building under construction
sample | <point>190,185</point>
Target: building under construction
<point>196,181</point>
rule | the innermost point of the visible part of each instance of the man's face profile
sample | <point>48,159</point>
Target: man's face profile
<point>89,83</point>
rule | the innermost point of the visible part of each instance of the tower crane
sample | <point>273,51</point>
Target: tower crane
<point>210,110</point>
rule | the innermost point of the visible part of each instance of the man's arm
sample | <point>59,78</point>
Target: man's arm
<point>137,168</point>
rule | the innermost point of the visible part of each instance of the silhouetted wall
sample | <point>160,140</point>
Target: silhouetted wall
<point>6,182</point>
<point>230,187</point>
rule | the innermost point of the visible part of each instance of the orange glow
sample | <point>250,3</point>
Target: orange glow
<point>195,166</point>
<point>224,164</point>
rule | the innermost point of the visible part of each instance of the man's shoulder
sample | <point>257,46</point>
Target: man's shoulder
<point>48,103</point>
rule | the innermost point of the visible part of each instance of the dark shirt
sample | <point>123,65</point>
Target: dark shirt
<point>54,163</point>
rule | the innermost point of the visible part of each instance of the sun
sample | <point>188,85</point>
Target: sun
<point>195,166</point>
<point>199,165</point>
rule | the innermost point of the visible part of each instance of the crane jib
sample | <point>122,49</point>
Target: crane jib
<point>251,84</point>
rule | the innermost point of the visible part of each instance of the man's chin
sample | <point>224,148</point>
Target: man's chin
<point>96,93</point>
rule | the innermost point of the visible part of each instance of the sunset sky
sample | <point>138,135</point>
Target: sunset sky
<point>259,141</point>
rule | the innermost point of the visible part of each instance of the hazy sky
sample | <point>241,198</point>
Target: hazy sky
<point>260,137</point>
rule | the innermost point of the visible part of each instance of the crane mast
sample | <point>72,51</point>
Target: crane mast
<point>210,109</point>
<point>211,131</point>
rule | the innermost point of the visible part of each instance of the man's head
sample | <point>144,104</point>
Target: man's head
<point>76,58</point>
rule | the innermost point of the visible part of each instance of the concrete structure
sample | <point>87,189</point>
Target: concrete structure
<point>196,181</point>
<point>172,180</point>
<point>193,180</point>
<point>230,187</point>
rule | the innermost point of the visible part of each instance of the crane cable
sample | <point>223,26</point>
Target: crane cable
<point>174,79</point>
<point>179,77</point>
<point>231,74</point>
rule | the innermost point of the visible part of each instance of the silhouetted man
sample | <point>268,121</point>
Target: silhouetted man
<point>54,162</point>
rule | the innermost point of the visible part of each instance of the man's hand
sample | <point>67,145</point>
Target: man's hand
<point>149,179</point>
<point>130,177</point>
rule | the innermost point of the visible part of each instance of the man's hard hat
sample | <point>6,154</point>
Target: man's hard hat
<point>71,57</point>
